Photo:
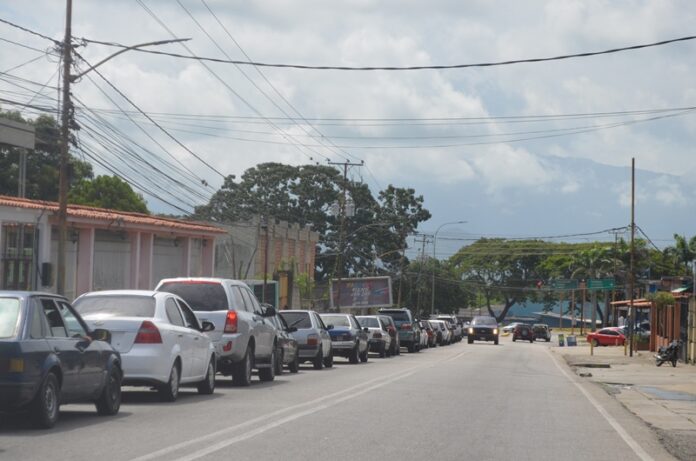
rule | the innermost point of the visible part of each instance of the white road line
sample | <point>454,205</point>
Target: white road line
<point>630,441</point>
<point>232,429</point>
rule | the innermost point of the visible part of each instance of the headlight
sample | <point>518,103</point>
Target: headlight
<point>495,331</point>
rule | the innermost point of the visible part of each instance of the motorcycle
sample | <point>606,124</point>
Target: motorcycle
<point>670,353</point>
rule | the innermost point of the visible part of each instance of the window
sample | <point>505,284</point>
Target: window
<point>336,320</point>
<point>75,328</point>
<point>55,321</point>
<point>238,301</point>
<point>369,322</point>
<point>9,316</point>
<point>252,306</point>
<point>201,296</point>
<point>37,329</point>
<point>189,317</point>
<point>319,321</point>
<point>173,313</point>
<point>297,319</point>
<point>117,306</point>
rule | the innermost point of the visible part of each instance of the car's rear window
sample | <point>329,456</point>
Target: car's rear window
<point>9,316</point>
<point>201,296</point>
<point>369,322</point>
<point>336,320</point>
<point>116,306</point>
<point>297,319</point>
<point>398,316</point>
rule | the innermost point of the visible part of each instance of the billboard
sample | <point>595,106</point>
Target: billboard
<point>361,292</point>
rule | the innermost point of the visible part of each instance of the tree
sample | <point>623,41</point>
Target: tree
<point>683,252</point>
<point>107,192</point>
<point>42,162</point>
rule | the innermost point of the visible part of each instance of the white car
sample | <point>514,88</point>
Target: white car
<point>445,336</point>
<point>162,343</point>
<point>510,327</point>
<point>378,337</point>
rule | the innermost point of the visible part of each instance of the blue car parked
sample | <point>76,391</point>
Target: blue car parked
<point>48,357</point>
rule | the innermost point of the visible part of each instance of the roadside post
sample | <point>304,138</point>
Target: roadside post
<point>561,340</point>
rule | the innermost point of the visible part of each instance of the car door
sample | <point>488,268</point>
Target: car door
<point>178,334</point>
<point>64,347</point>
<point>264,330</point>
<point>323,333</point>
<point>199,340</point>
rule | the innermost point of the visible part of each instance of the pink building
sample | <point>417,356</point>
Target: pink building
<point>106,249</point>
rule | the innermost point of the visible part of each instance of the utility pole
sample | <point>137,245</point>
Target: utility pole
<point>66,116</point>
<point>341,239</point>
<point>631,282</point>
<point>423,241</point>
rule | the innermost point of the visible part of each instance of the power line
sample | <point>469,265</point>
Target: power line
<point>38,34</point>
<point>405,68</point>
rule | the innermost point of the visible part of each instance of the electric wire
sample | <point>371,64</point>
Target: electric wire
<point>19,66</point>
<point>33,32</point>
<point>406,68</point>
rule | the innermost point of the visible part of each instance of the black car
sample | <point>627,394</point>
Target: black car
<point>523,332</point>
<point>483,328</point>
<point>48,357</point>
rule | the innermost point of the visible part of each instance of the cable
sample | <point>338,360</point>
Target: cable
<point>16,26</point>
<point>26,46</point>
<point>647,238</point>
<point>402,68</point>
<point>22,65</point>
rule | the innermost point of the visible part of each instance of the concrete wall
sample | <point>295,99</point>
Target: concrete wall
<point>111,261</point>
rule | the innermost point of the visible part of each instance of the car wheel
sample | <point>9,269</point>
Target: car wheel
<point>109,402</point>
<point>470,341</point>
<point>514,339</point>
<point>268,374</point>
<point>548,340</point>
<point>397,350</point>
<point>382,350</point>
<point>207,386</point>
<point>595,343</point>
<point>170,391</point>
<point>280,357</point>
<point>411,348</point>
<point>354,356</point>
<point>318,361</point>
<point>241,371</point>
<point>46,405</point>
<point>294,366</point>
<point>363,356</point>
<point>328,360</point>
<point>495,341</point>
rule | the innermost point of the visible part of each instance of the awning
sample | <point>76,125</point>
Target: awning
<point>681,290</point>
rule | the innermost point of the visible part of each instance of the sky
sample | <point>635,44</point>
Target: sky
<point>525,150</point>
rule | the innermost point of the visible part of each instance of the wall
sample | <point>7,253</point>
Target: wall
<point>111,260</point>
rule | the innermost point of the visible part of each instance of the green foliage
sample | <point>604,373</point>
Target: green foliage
<point>107,192</point>
<point>661,299</point>
<point>42,162</point>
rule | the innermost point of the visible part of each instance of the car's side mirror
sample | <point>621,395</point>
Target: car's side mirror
<point>291,329</point>
<point>207,326</point>
<point>550,329</point>
<point>101,334</point>
<point>366,330</point>
<point>329,327</point>
<point>269,312</point>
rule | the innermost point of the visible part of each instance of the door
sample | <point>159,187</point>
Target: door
<point>324,334</point>
<point>64,348</point>
<point>179,335</point>
<point>263,331</point>
<point>199,342</point>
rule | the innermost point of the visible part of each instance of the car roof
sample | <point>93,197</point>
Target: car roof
<point>143,293</point>
<point>202,279</point>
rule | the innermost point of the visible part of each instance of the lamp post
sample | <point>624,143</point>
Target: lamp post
<point>432,301</point>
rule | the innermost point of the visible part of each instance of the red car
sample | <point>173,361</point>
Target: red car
<point>612,336</point>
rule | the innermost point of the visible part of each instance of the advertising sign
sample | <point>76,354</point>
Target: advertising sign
<point>361,292</point>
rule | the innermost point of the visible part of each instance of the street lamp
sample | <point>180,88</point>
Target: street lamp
<point>432,302</point>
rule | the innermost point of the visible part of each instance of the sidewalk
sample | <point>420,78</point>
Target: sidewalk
<point>664,397</point>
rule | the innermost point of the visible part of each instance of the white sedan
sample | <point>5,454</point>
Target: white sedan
<point>162,343</point>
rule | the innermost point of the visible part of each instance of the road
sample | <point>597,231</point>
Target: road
<point>511,401</point>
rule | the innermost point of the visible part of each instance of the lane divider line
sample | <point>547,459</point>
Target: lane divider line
<point>630,441</point>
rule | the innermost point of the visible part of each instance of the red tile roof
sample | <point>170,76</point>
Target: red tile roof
<point>104,214</point>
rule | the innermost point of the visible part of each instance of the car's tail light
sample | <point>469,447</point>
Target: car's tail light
<point>312,340</point>
<point>12,365</point>
<point>148,334</point>
<point>376,335</point>
<point>391,330</point>
<point>406,326</point>
<point>231,322</point>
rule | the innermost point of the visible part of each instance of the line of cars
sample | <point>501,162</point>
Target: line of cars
<point>182,333</point>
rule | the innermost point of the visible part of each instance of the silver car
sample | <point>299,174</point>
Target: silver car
<point>243,336</point>
<point>312,337</point>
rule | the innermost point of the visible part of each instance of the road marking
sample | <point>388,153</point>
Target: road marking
<point>630,441</point>
<point>359,388</point>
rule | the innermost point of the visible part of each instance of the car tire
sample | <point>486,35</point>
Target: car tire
<point>294,366</point>
<point>45,407</point>
<point>280,357</point>
<point>363,356</point>
<point>318,361</point>
<point>548,340</point>
<point>382,350</point>
<point>241,371</point>
<point>109,402</point>
<point>514,339</point>
<point>470,341</point>
<point>267,375</point>
<point>207,386</point>
<point>354,356</point>
<point>595,343</point>
<point>169,391</point>
<point>397,350</point>
<point>495,341</point>
<point>328,360</point>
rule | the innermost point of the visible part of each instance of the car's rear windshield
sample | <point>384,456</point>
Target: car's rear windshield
<point>336,320</point>
<point>297,319</point>
<point>116,306</point>
<point>484,321</point>
<point>9,316</point>
<point>398,316</point>
<point>369,322</point>
<point>201,296</point>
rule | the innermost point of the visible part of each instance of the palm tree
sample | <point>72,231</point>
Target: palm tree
<point>683,251</point>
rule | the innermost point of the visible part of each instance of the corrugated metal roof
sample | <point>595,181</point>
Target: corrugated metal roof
<point>107,215</point>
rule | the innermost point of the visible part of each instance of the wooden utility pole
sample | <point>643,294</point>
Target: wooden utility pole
<point>423,241</point>
<point>66,116</point>
<point>338,270</point>
<point>631,281</point>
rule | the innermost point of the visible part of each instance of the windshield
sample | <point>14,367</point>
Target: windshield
<point>369,322</point>
<point>201,296</point>
<point>336,320</point>
<point>484,321</point>
<point>116,306</point>
<point>297,319</point>
<point>398,316</point>
<point>9,316</point>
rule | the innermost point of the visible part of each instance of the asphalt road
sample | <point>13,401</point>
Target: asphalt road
<point>511,401</point>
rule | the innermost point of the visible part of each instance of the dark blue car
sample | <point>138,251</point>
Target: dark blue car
<point>348,338</point>
<point>49,357</point>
